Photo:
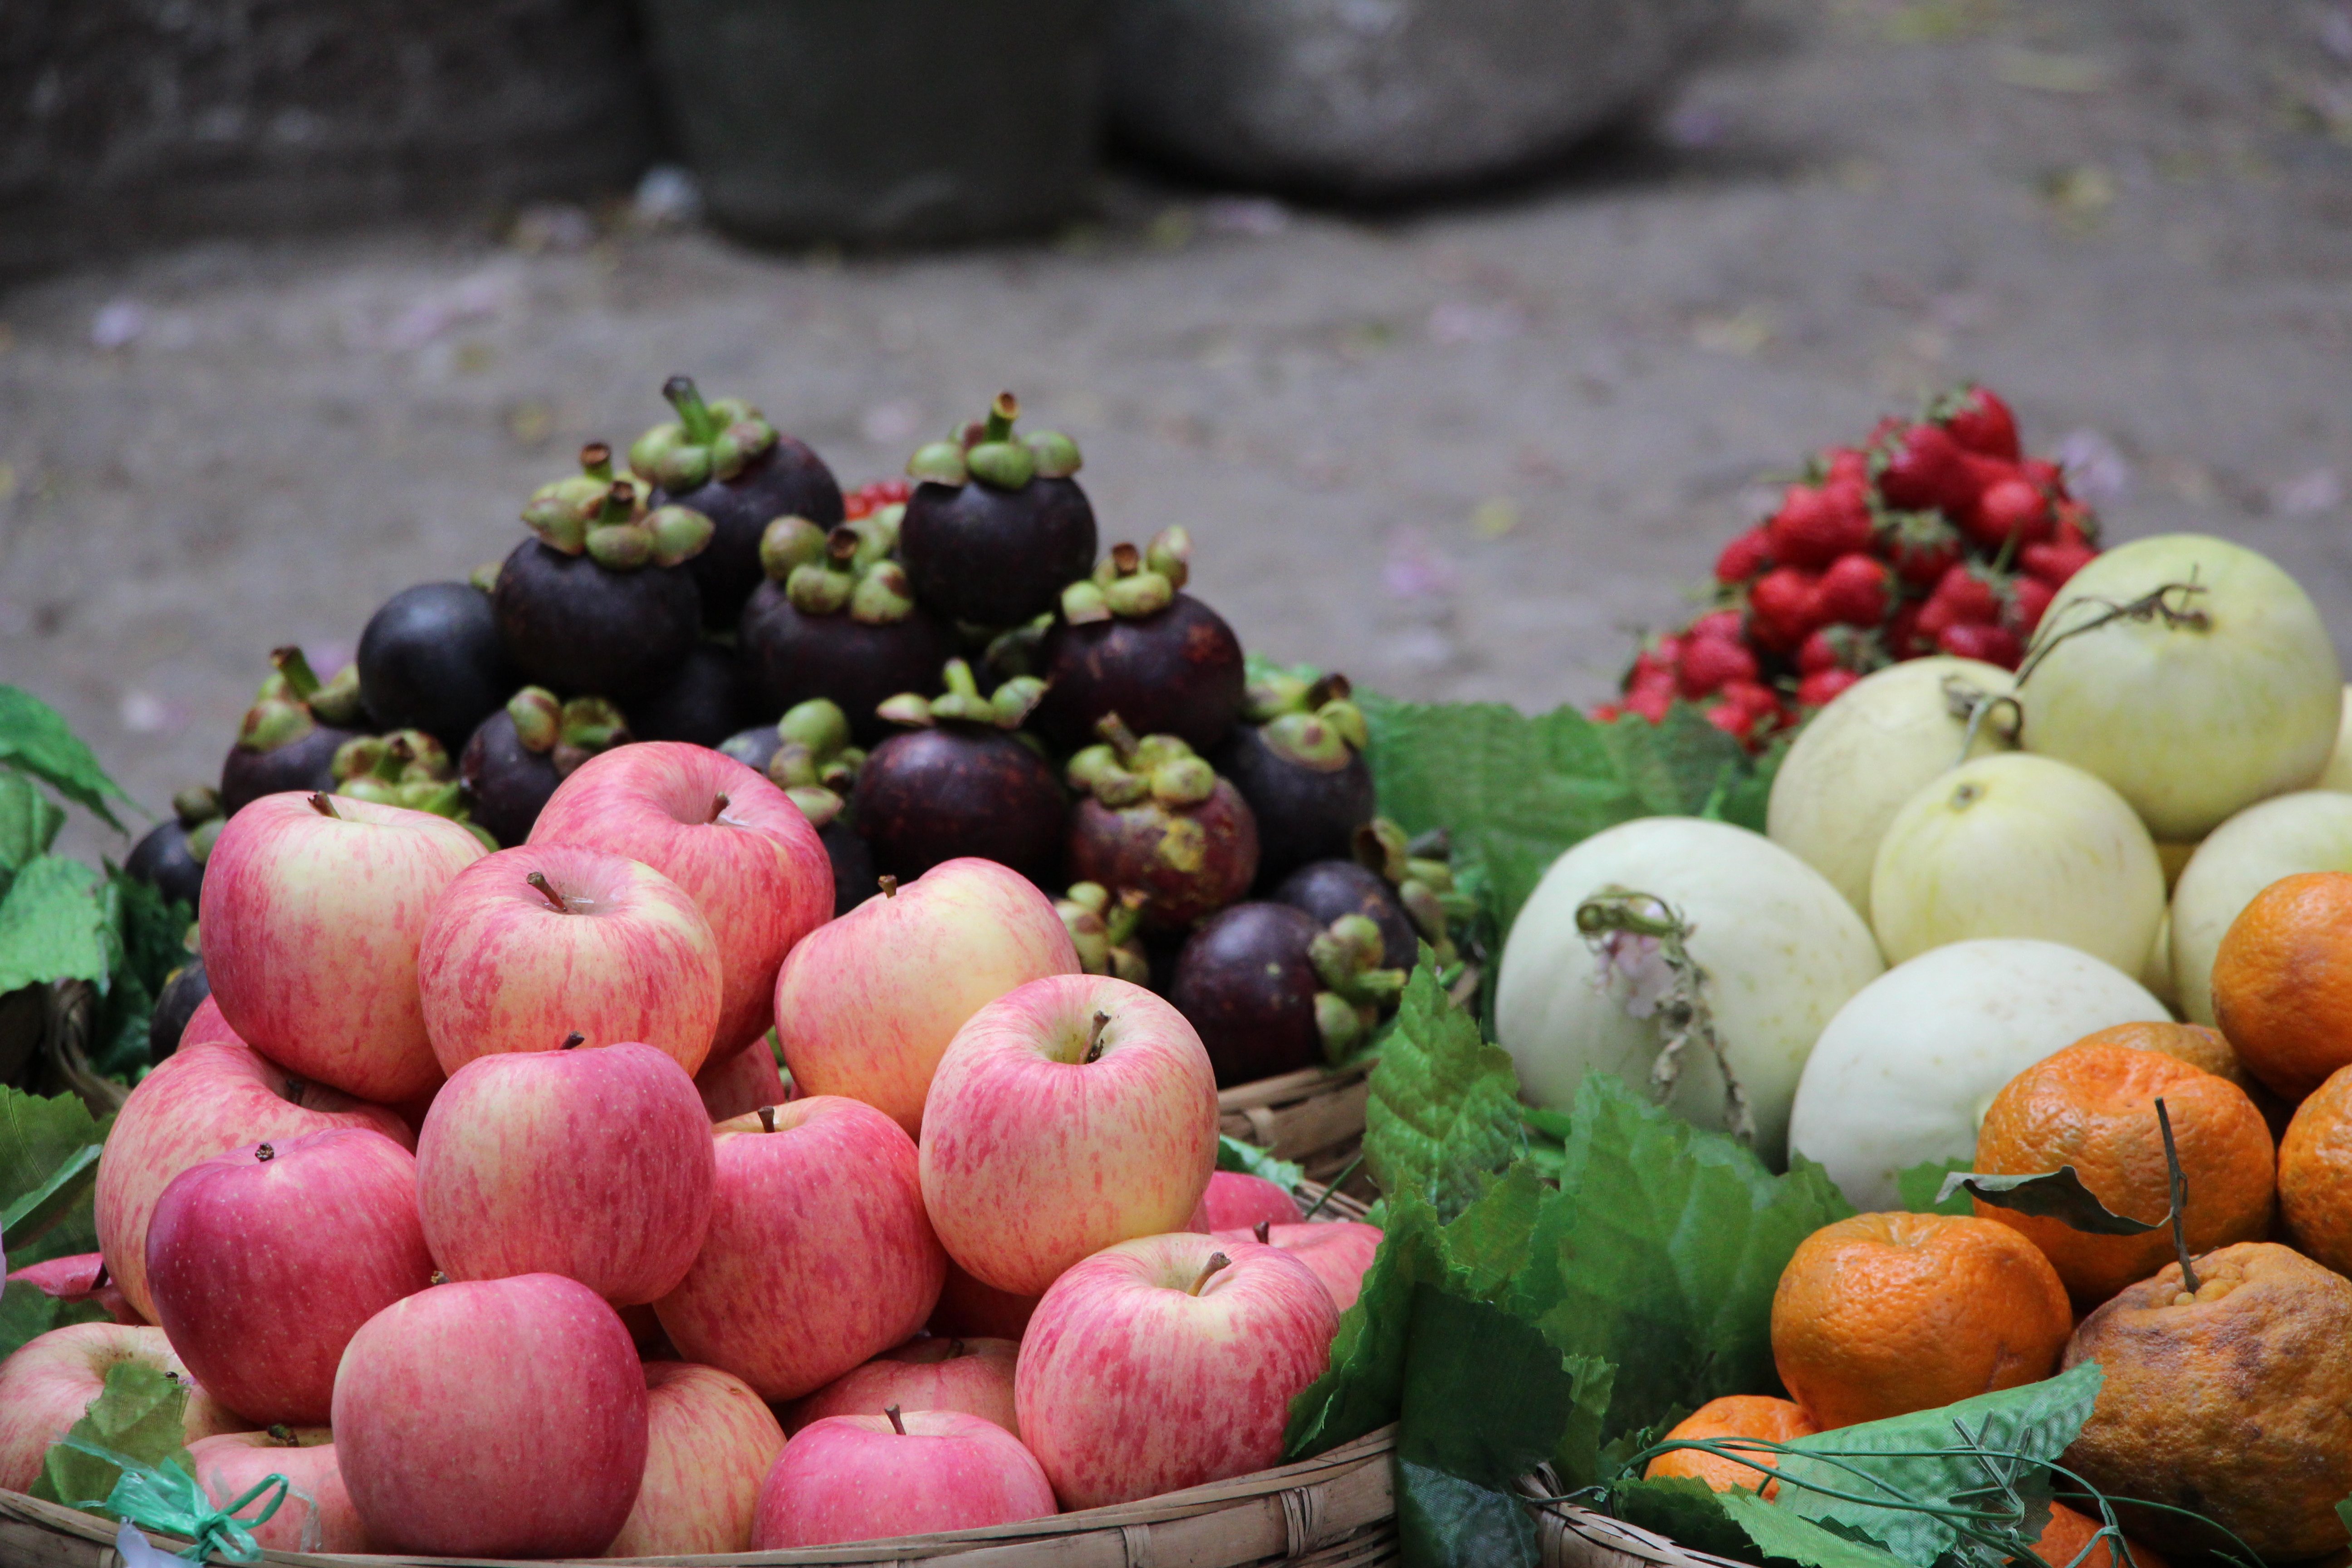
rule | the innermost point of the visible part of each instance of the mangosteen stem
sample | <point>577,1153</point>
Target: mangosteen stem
<point>1095,1035</point>
<point>718,804</point>
<point>1113,728</point>
<point>693,414</point>
<point>1217,1260</point>
<point>896,1424</point>
<point>300,679</point>
<point>1263,1229</point>
<point>324,807</point>
<point>619,503</point>
<point>2179,1184</point>
<point>959,679</point>
<point>1001,412</point>
<point>767,1118</point>
<point>573,1041</point>
<point>264,1153</point>
<point>547,890</point>
<point>890,886</point>
<point>596,460</point>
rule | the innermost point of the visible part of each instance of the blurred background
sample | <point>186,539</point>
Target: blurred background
<point>1461,333</point>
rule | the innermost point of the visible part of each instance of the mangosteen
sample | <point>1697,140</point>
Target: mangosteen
<point>702,704</point>
<point>184,989</point>
<point>407,768</point>
<point>1153,818</point>
<point>598,603</point>
<point>1129,641</point>
<point>1298,762</point>
<point>1420,873</point>
<point>290,733</point>
<point>836,619</point>
<point>1107,930</point>
<point>431,660</point>
<point>853,876</point>
<point>170,858</point>
<point>1329,888</point>
<point>516,756</point>
<point>1271,991</point>
<point>961,782</point>
<point>723,459</point>
<point>997,526</point>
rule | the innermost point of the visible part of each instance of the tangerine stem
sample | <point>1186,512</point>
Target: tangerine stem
<point>2179,1184</point>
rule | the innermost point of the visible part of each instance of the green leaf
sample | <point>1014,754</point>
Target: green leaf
<point>27,1312</point>
<point>1233,1154</point>
<point>35,739</point>
<point>152,929</point>
<point>1444,1111</point>
<point>1780,1534</point>
<point>1677,767</point>
<point>1684,1509</point>
<point>38,1135</point>
<point>29,821</point>
<point>2057,1194</point>
<point>1661,1256</point>
<point>1365,1384</point>
<point>142,1415</point>
<point>52,925</point>
<point>1746,804</point>
<point>1922,1188</point>
<point>36,1213</point>
<point>1935,1456</point>
<point>1445,1521</point>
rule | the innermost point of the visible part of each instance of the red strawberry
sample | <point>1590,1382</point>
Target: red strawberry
<point>1994,644</point>
<point>1733,720</point>
<point>1922,546</point>
<point>2045,476</point>
<point>1709,662</point>
<point>2009,508</point>
<point>1968,596</point>
<point>1819,688</point>
<point>1607,713</point>
<point>1783,607</point>
<point>2054,564</point>
<point>1921,467</point>
<point>2076,523</point>
<point>1649,704</point>
<point>1857,591</point>
<point>1717,624</point>
<point>2028,598</point>
<point>1978,420</point>
<point>1845,465</point>
<point>1840,647</point>
<point>1753,695</point>
<point>1745,556</point>
<point>1818,523</point>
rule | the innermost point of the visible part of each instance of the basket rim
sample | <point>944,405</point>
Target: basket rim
<point>1628,1540</point>
<point>1304,1084</point>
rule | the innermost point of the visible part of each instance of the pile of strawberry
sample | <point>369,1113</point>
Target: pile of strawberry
<point>873,496</point>
<point>1934,536</point>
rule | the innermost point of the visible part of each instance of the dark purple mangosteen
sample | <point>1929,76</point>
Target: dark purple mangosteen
<point>997,525</point>
<point>431,660</point>
<point>516,756</point>
<point>1298,762</point>
<point>1329,888</point>
<point>1154,819</point>
<point>703,703</point>
<point>292,732</point>
<point>1129,641</point>
<point>960,783</point>
<point>169,857</point>
<point>1271,991</point>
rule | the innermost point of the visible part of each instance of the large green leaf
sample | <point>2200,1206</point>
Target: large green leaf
<point>35,739</point>
<point>1921,1188</point>
<point>27,1312</point>
<point>1443,1116</point>
<point>141,1415</point>
<point>38,1136</point>
<point>2058,1195</point>
<point>1787,1536</point>
<point>53,925</point>
<point>29,821</point>
<point>52,1203</point>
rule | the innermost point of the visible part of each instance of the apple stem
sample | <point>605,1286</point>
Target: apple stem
<point>438,1278</point>
<point>283,1436</point>
<point>896,1424</point>
<point>718,804</point>
<point>767,1118</point>
<point>320,803</point>
<point>1264,1232</point>
<point>547,890</point>
<point>1095,1035</point>
<point>573,1041</point>
<point>264,1153</point>
<point>890,886</point>
<point>1217,1260</point>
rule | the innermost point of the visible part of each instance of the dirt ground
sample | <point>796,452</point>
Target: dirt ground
<point>1463,450</point>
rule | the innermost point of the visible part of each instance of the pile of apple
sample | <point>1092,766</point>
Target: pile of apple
<point>430,1212</point>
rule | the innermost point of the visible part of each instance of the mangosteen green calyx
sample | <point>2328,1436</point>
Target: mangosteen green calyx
<point>596,603</point>
<point>518,755</point>
<point>961,782</point>
<point>1105,931</point>
<point>1297,760</point>
<point>406,768</point>
<point>702,704</point>
<point>1130,641</point>
<point>808,754</point>
<point>290,733</point>
<point>1271,991</point>
<point>837,617</point>
<point>1420,870</point>
<point>1154,818</point>
<point>169,857</point>
<point>726,461</point>
<point>997,525</point>
<point>431,660</point>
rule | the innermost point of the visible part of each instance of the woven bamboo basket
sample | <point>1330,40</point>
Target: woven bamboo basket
<point>1314,1117</point>
<point>1572,1537</point>
<point>1337,1510</point>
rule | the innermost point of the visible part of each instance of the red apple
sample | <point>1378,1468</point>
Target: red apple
<point>818,1256</point>
<point>710,1442</point>
<point>1236,1201</point>
<point>1076,1112</point>
<point>213,1094</point>
<point>865,1005</point>
<point>493,1418</point>
<point>50,1380</point>
<point>873,1478</point>
<point>738,1084</point>
<point>734,841</point>
<point>1337,1252</point>
<point>233,1464</point>
<point>265,1261</point>
<point>976,1310</point>
<point>975,1376</point>
<point>532,945</point>
<point>77,1279</point>
<point>593,1164</point>
<point>1168,1362</point>
<point>312,908</point>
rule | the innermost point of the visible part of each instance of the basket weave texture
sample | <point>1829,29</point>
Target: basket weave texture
<point>1314,1117</point>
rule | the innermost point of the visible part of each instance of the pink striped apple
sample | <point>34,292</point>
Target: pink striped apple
<point>710,1443</point>
<point>213,1094</point>
<point>492,1418</point>
<point>1075,1113</point>
<point>865,1005</point>
<point>873,1478</point>
<point>738,1084</point>
<point>265,1261</point>
<point>312,908</point>
<point>1168,1362</point>
<point>593,1164</point>
<point>77,1279</point>
<point>734,841</point>
<point>1236,1201</point>
<point>1337,1252</point>
<point>818,1258</point>
<point>978,1311</point>
<point>316,1514</point>
<point>534,944</point>
<point>49,1382</point>
<point>975,1376</point>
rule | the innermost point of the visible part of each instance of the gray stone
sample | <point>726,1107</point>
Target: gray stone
<point>1375,97</point>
